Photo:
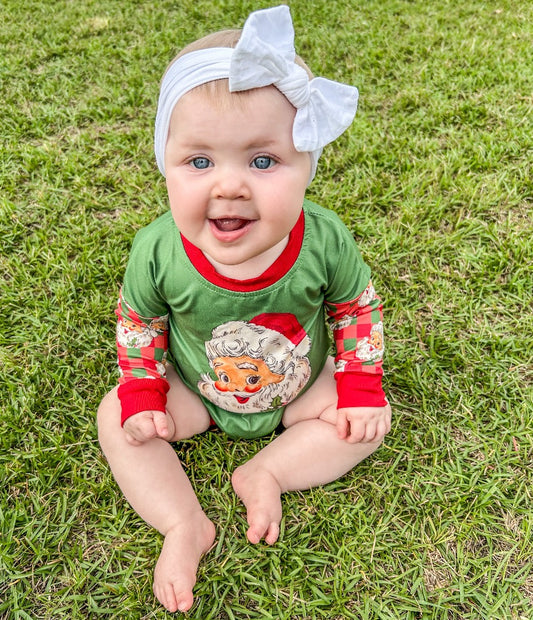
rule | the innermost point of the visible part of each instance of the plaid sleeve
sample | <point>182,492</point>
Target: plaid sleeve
<point>142,345</point>
<point>357,327</point>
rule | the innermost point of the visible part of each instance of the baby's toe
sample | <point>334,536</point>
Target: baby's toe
<point>272,533</point>
<point>263,528</point>
<point>174,599</point>
<point>165,595</point>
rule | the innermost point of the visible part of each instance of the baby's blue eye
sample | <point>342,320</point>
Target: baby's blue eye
<point>200,163</point>
<point>263,162</point>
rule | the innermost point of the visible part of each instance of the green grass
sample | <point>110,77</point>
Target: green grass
<point>435,180</point>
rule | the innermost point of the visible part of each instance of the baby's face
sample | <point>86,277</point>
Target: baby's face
<point>235,181</point>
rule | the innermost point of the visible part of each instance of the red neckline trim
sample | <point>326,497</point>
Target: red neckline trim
<point>275,272</point>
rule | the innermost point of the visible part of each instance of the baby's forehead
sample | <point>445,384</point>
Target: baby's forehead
<point>214,98</point>
<point>217,94</point>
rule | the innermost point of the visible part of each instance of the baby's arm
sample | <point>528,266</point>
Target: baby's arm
<point>142,347</point>
<point>363,411</point>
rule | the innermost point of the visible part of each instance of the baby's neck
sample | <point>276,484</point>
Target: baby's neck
<point>253,267</point>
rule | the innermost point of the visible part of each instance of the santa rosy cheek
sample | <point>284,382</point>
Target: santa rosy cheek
<point>222,387</point>
<point>252,389</point>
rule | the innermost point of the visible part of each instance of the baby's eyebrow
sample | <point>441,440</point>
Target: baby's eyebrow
<point>258,144</point>
<point>196,146</point>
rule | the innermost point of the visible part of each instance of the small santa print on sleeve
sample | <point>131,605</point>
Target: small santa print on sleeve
<point>371,348</point>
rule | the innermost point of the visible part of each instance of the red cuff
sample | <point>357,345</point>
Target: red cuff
<point>359,389</point>
<point>138,395</point>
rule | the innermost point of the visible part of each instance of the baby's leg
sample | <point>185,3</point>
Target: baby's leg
<point>154,483</point>
<point>307,454</point>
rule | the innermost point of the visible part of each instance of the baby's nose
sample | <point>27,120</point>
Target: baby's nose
<point>230,184</point>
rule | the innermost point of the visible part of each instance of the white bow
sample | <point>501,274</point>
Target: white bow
<point>265,56</point>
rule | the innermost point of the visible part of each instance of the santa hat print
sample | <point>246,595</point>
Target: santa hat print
<point>276,338</point>
<point>287,326</point>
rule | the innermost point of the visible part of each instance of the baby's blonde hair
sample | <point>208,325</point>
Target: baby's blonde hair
<point>217,90</point>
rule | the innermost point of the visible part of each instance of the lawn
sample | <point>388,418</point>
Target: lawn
<point>434,178</point>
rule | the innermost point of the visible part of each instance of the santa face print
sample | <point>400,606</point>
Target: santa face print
<point>371,348</point>
<point>243,376</point>
<point>259,366</point>
<point>235,181</point>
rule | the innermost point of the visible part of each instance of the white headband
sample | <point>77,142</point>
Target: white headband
<point>263,56</point>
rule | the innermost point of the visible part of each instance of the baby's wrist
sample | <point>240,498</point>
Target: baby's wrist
<point>138,395</point>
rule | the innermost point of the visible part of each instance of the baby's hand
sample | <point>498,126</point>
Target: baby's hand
<point>363,424</point>
<point>147,425</point>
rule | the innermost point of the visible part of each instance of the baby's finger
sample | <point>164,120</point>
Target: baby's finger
<point>388,419</point>
<point>370,431</point>
<point>383,427</point>
<point>357,431</point>
<point>342,424</point>
<point>161,424</point>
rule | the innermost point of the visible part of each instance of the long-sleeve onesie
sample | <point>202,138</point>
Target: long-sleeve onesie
<point>249,347</point>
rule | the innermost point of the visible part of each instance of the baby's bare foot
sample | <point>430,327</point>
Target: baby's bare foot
<point>261,494</point>
<point>175,572</point>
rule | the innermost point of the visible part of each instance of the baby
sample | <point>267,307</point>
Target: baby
<point>222,312</point>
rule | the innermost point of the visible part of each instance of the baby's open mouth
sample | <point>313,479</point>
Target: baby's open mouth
<point>229,224</point>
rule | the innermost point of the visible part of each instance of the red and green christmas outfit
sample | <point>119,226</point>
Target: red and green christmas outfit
<point>249,347</point>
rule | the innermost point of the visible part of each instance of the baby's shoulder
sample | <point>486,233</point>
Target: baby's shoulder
<point>324,222</point>
<point>160,231</point>
<point>162,225</point>
<point>156,240</point>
